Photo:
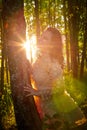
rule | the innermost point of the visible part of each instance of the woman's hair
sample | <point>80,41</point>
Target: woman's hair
<point>55,46</point>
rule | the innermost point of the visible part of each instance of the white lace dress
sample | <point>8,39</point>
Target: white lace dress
<point>48,76</point>
<point>45,72</point>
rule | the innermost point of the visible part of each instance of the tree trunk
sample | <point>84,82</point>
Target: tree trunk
<point>49,13</point>
<point>84,44</point>
<point>66,36</point>
<point>26,114</point>
<point>73,27</point>
<point>37,19</point>
<point>1,73</point>
<point>83,55</point>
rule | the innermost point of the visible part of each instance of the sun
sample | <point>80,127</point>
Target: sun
<point>31,48</point>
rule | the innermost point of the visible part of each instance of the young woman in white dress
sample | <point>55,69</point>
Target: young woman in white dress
<point>47,73</point>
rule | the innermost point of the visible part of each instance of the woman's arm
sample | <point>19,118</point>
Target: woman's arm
<point>34,92</point>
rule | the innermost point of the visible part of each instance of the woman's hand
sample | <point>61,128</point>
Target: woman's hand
<point>46,92</point>
<point>31,91</point>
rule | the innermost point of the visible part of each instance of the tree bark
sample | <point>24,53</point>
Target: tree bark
<point>37,19</point>
<point>26,114</point>
<point>85,43</point>
<point>66,36</point>
<point>1,72</point>
<point>73,28</point>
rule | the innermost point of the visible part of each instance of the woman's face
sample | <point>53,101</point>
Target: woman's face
<point>45,39</point>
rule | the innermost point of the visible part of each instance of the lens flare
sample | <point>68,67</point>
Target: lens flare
<point>31,48</point>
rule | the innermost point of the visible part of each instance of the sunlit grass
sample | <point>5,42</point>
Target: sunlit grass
<point>61,98</point>
<point>76,88</point>
<point>69,89</point>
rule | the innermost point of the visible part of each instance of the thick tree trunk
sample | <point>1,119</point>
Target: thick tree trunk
<point>84,44</point>
<point>73,27</point>
<point>83,56</point>
<point>26,114</point>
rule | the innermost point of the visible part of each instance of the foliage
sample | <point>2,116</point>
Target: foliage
<point>76,88</point>
<point>50,14</point>
<point>6,107</point>
<point>6,99</point>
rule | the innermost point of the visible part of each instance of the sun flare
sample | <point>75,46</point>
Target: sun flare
<point>31,48</point>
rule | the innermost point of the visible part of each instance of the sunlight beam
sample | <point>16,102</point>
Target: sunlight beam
<point>31,48</point>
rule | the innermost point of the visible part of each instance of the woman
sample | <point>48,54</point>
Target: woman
<point>47,74</point>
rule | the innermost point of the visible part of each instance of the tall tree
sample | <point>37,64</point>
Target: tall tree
<point>85,40</point>
<point>37,18</point>
<point>73,28</point>
<point>66,34</point>
<point>1,68</point>
<point>26,113</point>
